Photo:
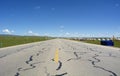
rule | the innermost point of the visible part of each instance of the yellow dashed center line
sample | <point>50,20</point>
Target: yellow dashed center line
<point>56,58</point>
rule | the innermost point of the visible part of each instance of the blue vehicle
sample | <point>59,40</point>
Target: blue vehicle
<point>107,42</point>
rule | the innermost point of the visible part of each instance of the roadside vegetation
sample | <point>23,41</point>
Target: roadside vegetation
<point>6,41</point>
<point>116,42</point>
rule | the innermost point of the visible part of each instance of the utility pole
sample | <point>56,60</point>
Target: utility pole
<point>113,38</point>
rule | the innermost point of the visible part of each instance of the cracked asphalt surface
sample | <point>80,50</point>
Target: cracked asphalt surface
<point>75,59</point>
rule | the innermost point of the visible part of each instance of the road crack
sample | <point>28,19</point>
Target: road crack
<point>60,65</point>
<point>61,74</point>
<point>113,74</point>
<point>99,67</point>
<point>30,59</point>
<point>76,55</point>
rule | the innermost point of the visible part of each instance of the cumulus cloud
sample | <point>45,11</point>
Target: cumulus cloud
<point>7,31</point>
<point>67,34</point>
<point>32,33</point>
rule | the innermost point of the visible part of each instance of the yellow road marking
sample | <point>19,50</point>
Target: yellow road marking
<point>56,58</point>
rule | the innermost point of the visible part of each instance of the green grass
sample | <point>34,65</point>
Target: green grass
<point>6,41</point>
<point>116,42</point>
<point>92,41</point>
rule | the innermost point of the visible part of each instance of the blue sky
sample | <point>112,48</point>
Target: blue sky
<point>60,17</point>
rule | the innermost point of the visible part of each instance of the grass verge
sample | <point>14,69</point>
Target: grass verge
<point>6,41</point>
<point>116,42</point>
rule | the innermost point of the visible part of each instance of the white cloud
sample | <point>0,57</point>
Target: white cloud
<point>67,33</point>
<point>32,33</point>
<point>7,31</point>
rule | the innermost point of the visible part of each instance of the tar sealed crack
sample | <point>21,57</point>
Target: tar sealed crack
<point>61,74</point>
<point>60,65</point>
<point>99,67</point>
<point>76,55</point>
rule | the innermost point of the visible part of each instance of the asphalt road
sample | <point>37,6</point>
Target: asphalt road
<point>59,57</point>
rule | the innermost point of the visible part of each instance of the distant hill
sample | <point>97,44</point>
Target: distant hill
<point>8,35</point>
